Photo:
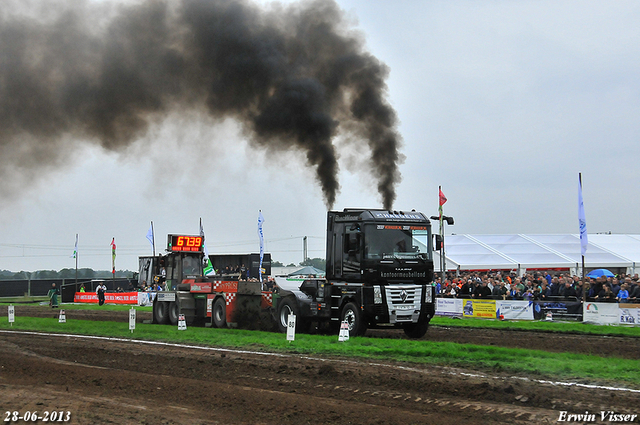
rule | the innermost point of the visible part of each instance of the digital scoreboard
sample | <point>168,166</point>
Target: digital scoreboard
<point>184,243</point>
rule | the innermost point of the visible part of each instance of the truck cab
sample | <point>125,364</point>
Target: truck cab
<point>375,246</point>
<point>379,273</point>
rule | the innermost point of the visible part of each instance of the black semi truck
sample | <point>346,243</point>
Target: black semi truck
<point>379,273</point>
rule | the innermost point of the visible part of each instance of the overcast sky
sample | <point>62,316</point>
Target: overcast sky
<point>500,103</point>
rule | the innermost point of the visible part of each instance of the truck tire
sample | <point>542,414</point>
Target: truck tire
<point>352,314</point>
<point>219,313</point>
<point>416,330</point>
<point>161,312</point>
<point>173,313</point>
<point>286,306</point>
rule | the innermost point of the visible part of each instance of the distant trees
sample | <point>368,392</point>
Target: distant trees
<point>318,263</point>
<point>83,274</point>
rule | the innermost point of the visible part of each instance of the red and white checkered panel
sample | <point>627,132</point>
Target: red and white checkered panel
<point>267,298</point>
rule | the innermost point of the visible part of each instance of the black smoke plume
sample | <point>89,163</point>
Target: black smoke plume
<point>295,77</point>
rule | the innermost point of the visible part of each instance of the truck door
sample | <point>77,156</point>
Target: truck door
<point>337,251</point>
<point>352,252</point>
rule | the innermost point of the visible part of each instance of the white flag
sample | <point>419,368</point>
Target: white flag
<point>584,241</point>
<point>208,267</point>
<point>75,250</point>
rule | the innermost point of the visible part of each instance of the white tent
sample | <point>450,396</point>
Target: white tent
<point>539,252</point>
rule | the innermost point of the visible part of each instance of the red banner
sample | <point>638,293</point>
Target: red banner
<point>109,297</point>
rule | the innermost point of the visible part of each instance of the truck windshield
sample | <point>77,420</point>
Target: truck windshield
<point>191,266</point>
<point>383,241</point>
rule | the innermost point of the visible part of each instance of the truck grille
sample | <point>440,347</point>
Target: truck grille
<point>403,294</point>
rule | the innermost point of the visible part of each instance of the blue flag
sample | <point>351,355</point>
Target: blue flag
<point>150,237</point>
<point>261,235</point>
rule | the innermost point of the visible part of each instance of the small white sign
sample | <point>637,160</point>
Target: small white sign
<point>12,314</point>
<point>132,319</point>
<point>62,318</point>
<point>166,296</point>
<point>344,332</point>
<point>182,324</point>
<point>291,327</point>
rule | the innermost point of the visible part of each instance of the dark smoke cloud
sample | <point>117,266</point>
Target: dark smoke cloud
<point>295,77</point>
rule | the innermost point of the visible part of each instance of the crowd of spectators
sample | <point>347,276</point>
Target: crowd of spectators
<point>539,286</point>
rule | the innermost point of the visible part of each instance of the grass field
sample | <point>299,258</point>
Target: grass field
<point>540,326</point>
<point>543,364</point>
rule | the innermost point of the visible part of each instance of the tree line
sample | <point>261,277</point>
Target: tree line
<point>88,274</point>
<point>83,274</point>
<point>318,263</point>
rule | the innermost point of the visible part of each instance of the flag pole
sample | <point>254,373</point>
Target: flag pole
<point>583,234</point>
<point>76,261</point>
<point>153,238</point>
<point>443,264</point>
<point>113,261</point>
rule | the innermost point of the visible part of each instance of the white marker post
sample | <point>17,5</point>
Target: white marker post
<point>132,319</point>
<point>12,314</point>
<point>62,318</point>
<point>344,332</point>
<point>291,327</point>
<point>182,324</point>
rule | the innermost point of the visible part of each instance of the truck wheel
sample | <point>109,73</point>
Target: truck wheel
<point>416,330</point>
<point>353,316</point>
<point>173,313</point>
<point>219,313</point>
<point>286,307</point>
<point>161,312</point>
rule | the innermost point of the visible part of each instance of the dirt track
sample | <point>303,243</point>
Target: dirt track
<point>102,381</point>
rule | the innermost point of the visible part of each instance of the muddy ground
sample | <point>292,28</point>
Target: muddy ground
<point>109,381</point>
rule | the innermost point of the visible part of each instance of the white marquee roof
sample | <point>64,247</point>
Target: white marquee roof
<point>518,252</point>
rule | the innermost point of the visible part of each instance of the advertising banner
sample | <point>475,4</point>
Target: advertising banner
<point>629,316</point>
<point>146,298</point>
<point>514,310</point>
<point>479,308</point>
<point>450,307</point>
<point>602,313</point>
<point>570,310</point>
<point>110,298</point>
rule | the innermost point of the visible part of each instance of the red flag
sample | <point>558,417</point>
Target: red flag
<point>113,255</point>
<point>443,198</point>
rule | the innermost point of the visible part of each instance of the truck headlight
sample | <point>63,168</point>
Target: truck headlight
<point>377,295</point>
<point>428,297</point>
<point>320,293</point>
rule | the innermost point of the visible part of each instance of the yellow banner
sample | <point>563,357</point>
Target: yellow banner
<point>479,308</point>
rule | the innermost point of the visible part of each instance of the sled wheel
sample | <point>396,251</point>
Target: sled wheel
<point>219,313</point>
<point>173,313</point>
<point>161,312</point>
